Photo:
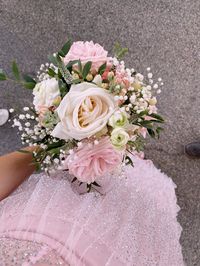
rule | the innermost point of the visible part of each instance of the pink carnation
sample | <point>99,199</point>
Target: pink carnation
<point>87,51</point>
<point>89,162</point>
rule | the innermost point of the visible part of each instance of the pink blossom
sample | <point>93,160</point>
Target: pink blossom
<point>42,111</point>
<point>91,161</point>
<point>143,132</point>
<point>87,51</point>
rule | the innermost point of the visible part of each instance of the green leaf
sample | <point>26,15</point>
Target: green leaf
<point>2,75</point>
<point>158,117</point>
<point>119,51</point>
<point>63,88</point>
<point>15,70</point>
<point>145,112</point>
<point>54,145</point>
<point>52,59</point>
<point>51,72</point>
<point>28,79</point>
<point>102,69</point>
<point>63,70</point>
<point>29,85</point>
<point>71,63</point>
<point>65,49</point>
<point>86,69</point>
<point>151,132</point>
<point>80,66</point>
<point>76,81</point>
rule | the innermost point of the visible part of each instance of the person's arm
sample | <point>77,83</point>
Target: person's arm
<point>15,167</point>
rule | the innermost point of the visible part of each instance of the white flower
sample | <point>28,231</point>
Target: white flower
<point>83,112</point>
<point>133,98</point>
<point>118,119</point>
<point>98,80</point>
<point>45,93</point>
<point>153,101</point>
<point>119,138</point>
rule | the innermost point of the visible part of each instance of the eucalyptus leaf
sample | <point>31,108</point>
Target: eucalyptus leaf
<point>15,70</point>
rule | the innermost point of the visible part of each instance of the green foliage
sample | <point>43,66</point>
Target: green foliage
<point>51,72</point>
<point>71,63</point>
<point>119,51</point>
<point>2,75</point>
<point>102,69</point>
<point>65,49</point>
<point>63,88</point>
<point>137,145</point>
<point>63,70</point>
<point>52,59</point>
<point>27,78</point>
<point>15,71</point>
<point>29,85</point>
<point>86,69</point>
<point>29,82</point>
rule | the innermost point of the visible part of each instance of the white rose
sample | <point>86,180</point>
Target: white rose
<point>119,138</point>
<point>118,119</point>
<point>45,92</point>
<point>83,112</point>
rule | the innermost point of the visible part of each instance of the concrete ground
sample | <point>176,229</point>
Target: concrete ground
<point>163,34</point>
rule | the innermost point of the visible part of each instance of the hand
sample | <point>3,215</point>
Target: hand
<point>15,167</point>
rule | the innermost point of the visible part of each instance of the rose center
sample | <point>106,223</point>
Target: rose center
<point>87,111</point>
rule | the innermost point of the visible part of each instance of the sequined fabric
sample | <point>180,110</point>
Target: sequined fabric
<point>133,222</point>
<point>15,252</point>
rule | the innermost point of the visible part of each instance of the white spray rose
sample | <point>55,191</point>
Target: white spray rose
<point>118,119</point>
<point>83,112</point>
<point>45,92</point>
<point>119,138</point>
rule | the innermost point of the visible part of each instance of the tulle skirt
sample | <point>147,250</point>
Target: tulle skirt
<point>132,221</point>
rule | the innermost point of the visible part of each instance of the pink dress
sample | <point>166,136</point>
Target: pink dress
<point>134,222</point>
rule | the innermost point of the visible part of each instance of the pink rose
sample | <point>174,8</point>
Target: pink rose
<point>87,51</point>
<point>91,161</point>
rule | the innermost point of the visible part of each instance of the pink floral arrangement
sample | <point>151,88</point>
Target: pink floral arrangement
<point>89,113</point>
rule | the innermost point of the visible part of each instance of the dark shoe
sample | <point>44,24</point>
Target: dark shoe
<point>193,149</point>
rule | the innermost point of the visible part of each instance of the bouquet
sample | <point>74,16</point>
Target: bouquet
<point>90,112</point>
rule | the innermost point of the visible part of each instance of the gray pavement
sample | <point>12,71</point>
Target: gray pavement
<point>163,34</point>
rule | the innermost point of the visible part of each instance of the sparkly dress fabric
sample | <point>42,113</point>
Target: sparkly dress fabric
<point>48,221</point>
